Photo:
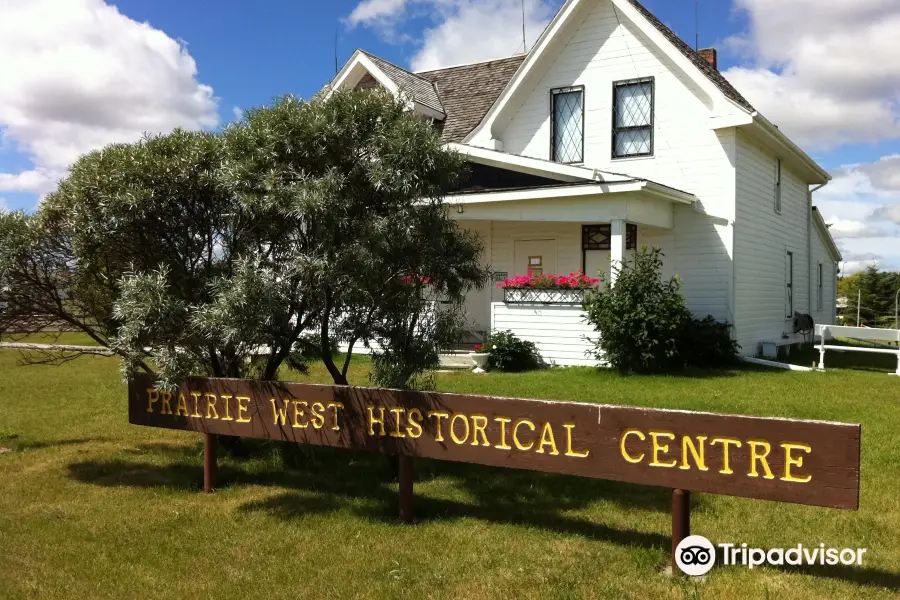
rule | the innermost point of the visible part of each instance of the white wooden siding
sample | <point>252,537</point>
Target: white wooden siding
<point>821,256</point>
<point>602,48</point>
<point>761,242</point>
<point>559,331</point>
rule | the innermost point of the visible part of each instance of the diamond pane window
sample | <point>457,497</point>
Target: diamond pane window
<point>633,118</point>
<point>567,125</point>
<point>599,237</point>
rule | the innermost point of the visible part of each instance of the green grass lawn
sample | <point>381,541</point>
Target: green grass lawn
<point>92,507</point>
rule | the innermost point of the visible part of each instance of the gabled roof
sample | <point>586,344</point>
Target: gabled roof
<point>825,235</point>
<point>707,69</point>
<point>467,92</point>
<point>421,89</point>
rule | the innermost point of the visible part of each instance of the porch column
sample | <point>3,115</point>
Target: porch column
<point>616,248</point>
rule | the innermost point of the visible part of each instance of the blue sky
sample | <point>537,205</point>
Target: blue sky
<point>76,74</point>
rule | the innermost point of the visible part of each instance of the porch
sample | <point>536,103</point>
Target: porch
<point>558,230</point>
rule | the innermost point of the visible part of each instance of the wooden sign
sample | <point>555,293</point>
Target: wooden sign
<point>806,462</point>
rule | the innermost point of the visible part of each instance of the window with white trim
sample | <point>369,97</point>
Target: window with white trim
<point>567,125</point>
<point>789,285</point>
<point>632,132</point>
<point>778,185</point>
<point>820,294</point>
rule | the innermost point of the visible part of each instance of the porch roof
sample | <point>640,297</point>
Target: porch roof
<point>571,189</point>
<point>509,187</point>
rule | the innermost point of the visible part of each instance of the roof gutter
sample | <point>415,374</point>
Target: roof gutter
<point>776,137</point>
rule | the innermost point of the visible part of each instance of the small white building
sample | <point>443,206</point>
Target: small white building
<point>611,134</point>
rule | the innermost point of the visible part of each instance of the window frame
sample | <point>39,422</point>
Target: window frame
<point>554,92</point>
<point>652,125</point>
<point>820,296</point>
<point>779,184</point>
<point>631,239</point>
<point>789,284</point>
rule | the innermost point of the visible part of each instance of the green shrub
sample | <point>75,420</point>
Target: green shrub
<point>509,353</point>
<point>708,343</point>
<point>646,327</point>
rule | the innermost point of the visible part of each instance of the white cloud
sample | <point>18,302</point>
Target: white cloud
<point>827,72</point>
<point>369,12</point>
<point>461,31</point>
<point>4,205</point>
<point>862,206</point>
<point>77,75</point>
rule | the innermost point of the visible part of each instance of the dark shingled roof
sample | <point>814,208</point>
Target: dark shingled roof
<point>707,69</point>
<point>468,92</point>
<point>422,90</point>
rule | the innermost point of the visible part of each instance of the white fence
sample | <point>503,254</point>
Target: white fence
<point>863,333</point>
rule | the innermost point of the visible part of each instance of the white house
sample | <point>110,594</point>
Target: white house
<point>610,134</point>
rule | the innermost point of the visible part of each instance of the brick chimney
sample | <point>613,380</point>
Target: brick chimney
<point>710,56</point>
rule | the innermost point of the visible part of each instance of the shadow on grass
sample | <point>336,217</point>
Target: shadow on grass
<point>27,446</point>
<point>360,483</point>
<point>849,573</point>
<point>719,373</point>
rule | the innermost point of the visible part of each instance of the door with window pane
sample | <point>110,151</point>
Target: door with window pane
<point>535,257</point>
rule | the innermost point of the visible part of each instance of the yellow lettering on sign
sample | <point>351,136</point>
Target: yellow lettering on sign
<point>547,440</point>
<point>226,398</point>
<point>415,418</point>
<point>624,439</point>
<point>453,435</point>
<point>479,423</point>
<point>795,461</point>
<point>516,441</point>
<point>336,406</point>
<point>726,442</point>
<point>438,415</point>
<point>181,407</point>
<point>569,427</point>
<point>152,398</point>
<point>196,396</point>
<point>318,419</point>
<point>166,403</point>
<point>279,414</point>
<point>756,455</point>
<point>243,403</point>
<point>298,405</point>
<point>211,400</point>
<point>664,448</point>
<point>398,418</point>
<point>504,421</point>
<point>373,420</point>
<point>687,445</point>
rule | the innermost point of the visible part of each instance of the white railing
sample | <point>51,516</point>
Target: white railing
<point>863,333</point>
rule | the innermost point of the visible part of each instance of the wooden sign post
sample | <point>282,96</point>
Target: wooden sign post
<point>786,460</point>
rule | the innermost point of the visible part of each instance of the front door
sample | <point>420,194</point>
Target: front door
<point>535,257</point>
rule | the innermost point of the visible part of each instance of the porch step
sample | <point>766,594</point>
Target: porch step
<point>456,360</point>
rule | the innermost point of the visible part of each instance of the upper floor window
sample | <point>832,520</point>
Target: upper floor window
<point>567,124</point>
<point>778,185</point>
<point>633,118</point>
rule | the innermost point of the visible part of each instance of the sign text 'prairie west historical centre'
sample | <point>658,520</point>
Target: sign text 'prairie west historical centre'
<point>806,462</point>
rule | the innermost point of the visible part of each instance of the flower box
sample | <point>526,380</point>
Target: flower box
<point>547,289</point>
<point>543,296</point>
